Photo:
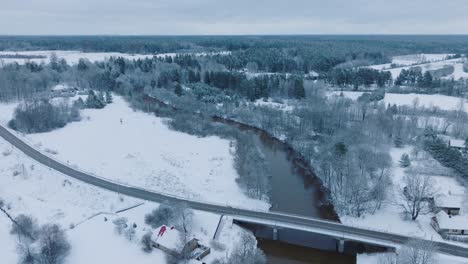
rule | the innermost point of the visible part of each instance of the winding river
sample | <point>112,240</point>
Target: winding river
<point>295,190</point>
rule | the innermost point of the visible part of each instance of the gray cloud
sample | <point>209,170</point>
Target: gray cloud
<point>233,17</point>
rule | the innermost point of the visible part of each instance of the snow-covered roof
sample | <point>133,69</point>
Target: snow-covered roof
<point>168,237</point>
<point>454,222</point>
<point>313,74</point>
<point>60,87</point>
<point>457,143</point>
<point>449,201</point>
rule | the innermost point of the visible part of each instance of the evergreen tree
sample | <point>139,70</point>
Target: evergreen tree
<point>178,89</point>
<point>298,89</point>
<point>405,161</point>
<point>398,141</point>
<point>95,101</point>
<point>109,98</point>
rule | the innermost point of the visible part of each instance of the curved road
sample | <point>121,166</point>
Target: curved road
<point>272,218</point>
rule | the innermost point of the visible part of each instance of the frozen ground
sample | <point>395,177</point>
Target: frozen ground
<point>30,188</point>
<point>142,151</point>
<point>390,219</point>
<point>443,102</point>
<point>73,57</point>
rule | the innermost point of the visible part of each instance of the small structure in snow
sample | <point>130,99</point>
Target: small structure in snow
<point>312,75</point>
<point>447,225</point>
<point>450,204</point>
<point>169,240</point>
<point>457,144</point>
<point>63,90</point>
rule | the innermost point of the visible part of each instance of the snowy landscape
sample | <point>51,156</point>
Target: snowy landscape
<point>233,150</point>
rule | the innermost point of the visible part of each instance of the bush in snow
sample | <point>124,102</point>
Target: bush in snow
<point>129,233</point>
<point>120,224</point>
<point>405,161</point>
<point>168,213</point>
<point>147,243</point>
<point>25,227</point>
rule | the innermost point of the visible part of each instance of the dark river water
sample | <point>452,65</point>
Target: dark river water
<point>295,190</point>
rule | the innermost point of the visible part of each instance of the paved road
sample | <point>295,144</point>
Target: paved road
<point>279,219</point>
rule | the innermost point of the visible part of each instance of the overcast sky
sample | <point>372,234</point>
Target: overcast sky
<point>176,17</point>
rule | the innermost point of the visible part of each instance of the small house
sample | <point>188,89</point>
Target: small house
<point>450,204</point>
<point>448,225</point>
<point>169,240</point>
<point>457,144</point>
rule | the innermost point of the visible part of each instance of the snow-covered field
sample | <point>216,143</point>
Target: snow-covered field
<point>30,188</point>
<point>426,62</point>
<point>442,102</point>
<point>73,57</point>
<point>412,59</point>
<point>138,149</point>
<point>390,218</point>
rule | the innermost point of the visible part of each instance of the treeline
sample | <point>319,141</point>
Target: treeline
<point>359,77</point>
<point>431,81</point>
<point>447,156</point>
<point>42,116</point>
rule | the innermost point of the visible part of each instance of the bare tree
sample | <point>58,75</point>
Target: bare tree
<point>416,193</point>
<point>417,251</point>
<point>247,252</point>
<point>53,245</point>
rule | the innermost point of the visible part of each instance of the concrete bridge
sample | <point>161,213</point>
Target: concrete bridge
<point>277,222</point>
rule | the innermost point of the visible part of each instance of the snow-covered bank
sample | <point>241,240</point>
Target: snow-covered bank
<point>137,148</point>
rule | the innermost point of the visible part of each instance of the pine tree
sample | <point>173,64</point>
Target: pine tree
<point>405,161</point>
<point>178,90</point>
<point>398,142</point>
<point>298,89</point>
<point>109,98</point>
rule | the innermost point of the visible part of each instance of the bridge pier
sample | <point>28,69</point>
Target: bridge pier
<point>275,234</point>
<point>340,246</point>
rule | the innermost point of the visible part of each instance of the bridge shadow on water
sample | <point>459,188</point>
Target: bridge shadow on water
<point>284,245</point>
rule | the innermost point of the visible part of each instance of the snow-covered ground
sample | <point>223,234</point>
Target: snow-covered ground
<point>390,218</point>
<point>284,106</point>
<point>30,188</point>
<point>412,59</point>
<point>73,57</point>
<point>426,62</point>
<point>142,151</point>
<point>442,102</point>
